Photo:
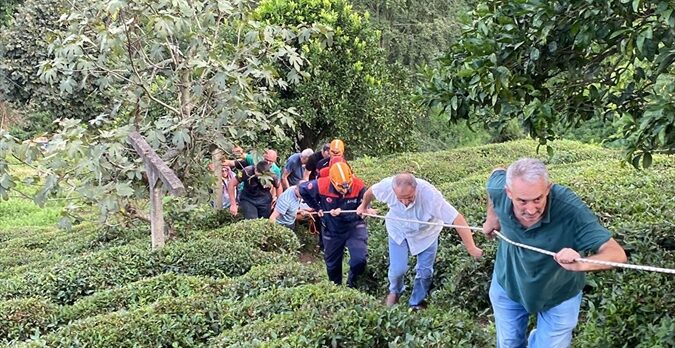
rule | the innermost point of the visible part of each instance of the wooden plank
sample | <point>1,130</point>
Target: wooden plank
<point>156,216</point>
<point>163,171</point>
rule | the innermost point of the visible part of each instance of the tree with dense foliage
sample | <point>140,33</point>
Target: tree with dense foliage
<point>552,63</point>
<point>24,45</point>
<point>414,34</point>
<point>187,75</point>
<point>347,91</point>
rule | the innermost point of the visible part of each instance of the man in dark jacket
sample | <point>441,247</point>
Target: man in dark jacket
<point>339,191</point>
<point>255,198</point>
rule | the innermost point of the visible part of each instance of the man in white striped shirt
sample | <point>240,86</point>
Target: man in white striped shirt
<point>410,198</point>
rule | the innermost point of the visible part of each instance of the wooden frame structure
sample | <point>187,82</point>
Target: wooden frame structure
<point>157,172</point>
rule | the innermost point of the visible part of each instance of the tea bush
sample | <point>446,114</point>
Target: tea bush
<point>137,294</point>
<point>325,315</point>
<point>34,251</point>
<point>263,278</point>
<point>21,318</point>
<point>259,233</point>
<point>449,166</point>
<point>202,217</point>
<point>169,322</point>
<point>72,279</point>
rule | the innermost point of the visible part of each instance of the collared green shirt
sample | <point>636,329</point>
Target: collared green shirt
<point>533,279</point>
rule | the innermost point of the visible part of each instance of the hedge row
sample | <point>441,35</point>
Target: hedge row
<point>453,165</point>
<point>90,314</point>
<point>35,251</point>
<point>322,315</point>
<point>23,317</point>
<point>260,233</point>
<point>72,279</point>
<point>138,294</point>
<point>169,322</point>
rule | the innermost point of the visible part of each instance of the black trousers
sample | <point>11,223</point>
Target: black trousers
<point>252,210</point>
<point>356,241</point>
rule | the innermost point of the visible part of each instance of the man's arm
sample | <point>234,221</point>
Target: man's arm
<point>365,202</point>
<point>467,237</point>
<point>609,251</point>
<point>284,178</point>
<point>278,190</point>
<point>273,217</point>
<point>491,223</point>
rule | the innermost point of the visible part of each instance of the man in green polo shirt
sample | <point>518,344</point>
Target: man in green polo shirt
<point>527,208</point>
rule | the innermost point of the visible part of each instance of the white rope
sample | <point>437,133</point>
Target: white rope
<point>597,262</point>
<point>525,246</point>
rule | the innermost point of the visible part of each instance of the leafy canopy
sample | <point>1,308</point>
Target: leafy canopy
<point>551,63</point>
<point>347,92</point>
<point>189,75</point>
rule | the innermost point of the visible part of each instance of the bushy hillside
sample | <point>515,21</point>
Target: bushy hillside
<point>225,283</point>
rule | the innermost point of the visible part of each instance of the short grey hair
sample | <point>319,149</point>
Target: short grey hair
<point>404,179</point>
<point>531,170</point>
<point>306,152</point>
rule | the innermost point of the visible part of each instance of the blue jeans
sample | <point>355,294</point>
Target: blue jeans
<point>554,326</point>
<point>398,266</point>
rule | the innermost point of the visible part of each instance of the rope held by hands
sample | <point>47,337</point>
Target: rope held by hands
<point>525,246</point>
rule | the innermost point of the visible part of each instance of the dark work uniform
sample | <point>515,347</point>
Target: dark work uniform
<point>255,200</point>
<point>323,163</point>
<point>339,231</point>
<point>311,165</point>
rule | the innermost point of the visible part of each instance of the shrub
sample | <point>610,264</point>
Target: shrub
<point>137,294</point>
<point>325,315</point>
<point>266,277</point>
<point>32,251</point>
<point>259,233</point>
<point>313,305</point>
<point>321,297</point>
<point>454,165</point>
<point>72,279</point>
<point>203,217</point>
<point>214,258</point>
<point>21,318</point>
<point>170,322</point>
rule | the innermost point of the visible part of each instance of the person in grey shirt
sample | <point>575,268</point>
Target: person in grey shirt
<point>411,198</point>
<point>287,207</point>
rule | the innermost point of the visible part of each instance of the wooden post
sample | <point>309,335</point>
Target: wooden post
<point>158,172</point>
<point>217,156</point>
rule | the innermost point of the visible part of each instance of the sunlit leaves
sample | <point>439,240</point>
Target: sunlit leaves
<point>564,63</point>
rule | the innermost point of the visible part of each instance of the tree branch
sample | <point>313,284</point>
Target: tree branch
<point>135,69</point>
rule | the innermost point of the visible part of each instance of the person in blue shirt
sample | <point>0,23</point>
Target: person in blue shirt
<point>527,208</point>
<point>341,190</point>
<point>294,170</point>
<point>288,205</point>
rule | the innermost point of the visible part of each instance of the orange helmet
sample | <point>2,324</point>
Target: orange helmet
<point>341,177</point>
<point>337,147</point>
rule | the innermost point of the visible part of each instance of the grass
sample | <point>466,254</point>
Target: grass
<point>21,212</point>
